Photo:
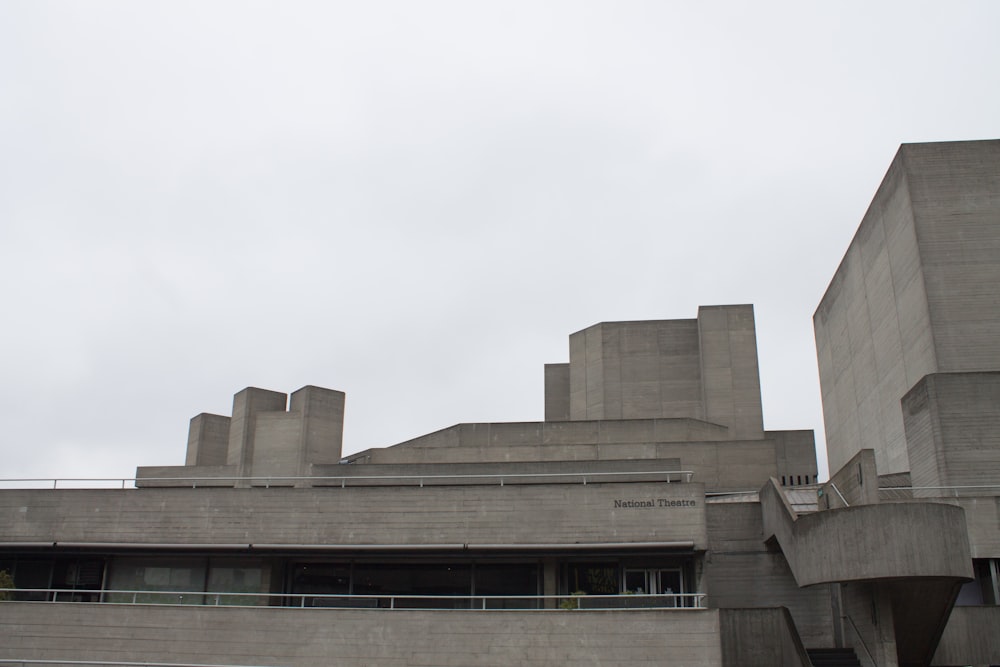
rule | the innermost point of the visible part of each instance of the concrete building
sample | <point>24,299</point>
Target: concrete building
<point>649,519</point>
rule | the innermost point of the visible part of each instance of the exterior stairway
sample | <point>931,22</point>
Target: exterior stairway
<point>913,557</point>
<point>833,657</point>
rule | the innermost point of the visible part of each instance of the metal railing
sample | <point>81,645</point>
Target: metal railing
<point>350,601</point>
<point>923,492</point>
<point>864,644</point>
<point>112,663</point>
<point>667,476</point>
<point>840,495</point>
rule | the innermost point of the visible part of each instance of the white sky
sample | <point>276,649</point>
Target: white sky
<point>417,202</point>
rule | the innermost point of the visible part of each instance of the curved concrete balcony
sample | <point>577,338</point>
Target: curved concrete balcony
<point>916,554</point>
<point>869,542</point>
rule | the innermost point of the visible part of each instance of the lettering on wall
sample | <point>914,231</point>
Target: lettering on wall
<point>653,503</point>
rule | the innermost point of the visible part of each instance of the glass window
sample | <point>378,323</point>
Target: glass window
<point>318,579</point>
<point>231,575</point>
<point>593,578</point>
<point>505,579</point>
<point>157,580</point>
<point>82,576</point>
<point>400,582</point>
<point>30,573</point>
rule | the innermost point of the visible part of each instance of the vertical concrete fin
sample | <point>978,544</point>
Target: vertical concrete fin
<point>208,440</point>
<point>246,405</point>
<point>557,392</point>
<point>321,412</point>
<point>583,377</point>
<point>729,370</point>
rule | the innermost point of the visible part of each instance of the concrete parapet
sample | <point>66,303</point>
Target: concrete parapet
<point>971,637</point>
<point>761,637</point>
<point>592,432</point>
<point>869,542</point>
<point>358,638</point>
<point>857,483</point>
<point>186,476</point>
<point>512,472</point>
<point>451,518</point>
<point>721,463</point>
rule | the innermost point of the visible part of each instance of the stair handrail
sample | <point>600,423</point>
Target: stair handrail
<point>858,633</point>
<point>839,494</point>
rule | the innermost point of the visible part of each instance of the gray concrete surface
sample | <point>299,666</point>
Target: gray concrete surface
<point>704,368</point>
<point>741,572</point>
<point>869,542</point>
<point>411,516</point>
<point>358,638</point>
<point>761,637</point>
<point>857,483</point>
<point>915,294</point>
<point>972,637</point>
<point>952,427</point>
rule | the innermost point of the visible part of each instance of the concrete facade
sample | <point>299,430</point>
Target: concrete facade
<point>914,295</point>
<point>704,369</point>
<point>908,340</point>
<point>648,519</point>
<point>359,638</point>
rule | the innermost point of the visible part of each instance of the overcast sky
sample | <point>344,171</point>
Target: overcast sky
<point>417,202</point>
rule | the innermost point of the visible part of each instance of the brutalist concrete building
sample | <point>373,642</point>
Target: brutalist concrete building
<point>650,519</point>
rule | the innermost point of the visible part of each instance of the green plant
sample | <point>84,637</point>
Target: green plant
<point>572,602</point>
<point>6,581</point>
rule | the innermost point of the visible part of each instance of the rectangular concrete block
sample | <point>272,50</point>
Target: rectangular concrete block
<point>322,414</point>
<point>208,440</point>
<point>246,405</point>
<point>557,402</point>
<point>917,286</point>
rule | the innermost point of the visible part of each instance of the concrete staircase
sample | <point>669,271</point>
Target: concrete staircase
<point>909,559</point>
<point>833,657</point>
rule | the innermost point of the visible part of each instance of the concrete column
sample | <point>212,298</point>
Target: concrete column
<point>557,392</point>
<point>246,405</point>
<point>321,412</point>
<point>729,370</point>
<point>550,581</point>
<point>208,440</point>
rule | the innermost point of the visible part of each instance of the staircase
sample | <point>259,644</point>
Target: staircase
<point>833,657</point>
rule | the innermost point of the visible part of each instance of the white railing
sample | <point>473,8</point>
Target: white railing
<point>667,476</point>
<point>111,663</point>
<point>349,601</point>
<point>923,492</point>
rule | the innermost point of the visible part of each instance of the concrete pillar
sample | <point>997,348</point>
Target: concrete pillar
<point>729,370</point>
<point>556,392</point>
<point>550,581</point>
<point>208,440</point>
<point>246,405</point>
<point>321,412</point>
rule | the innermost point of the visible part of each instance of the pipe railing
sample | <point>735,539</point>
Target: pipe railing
<point>864,644</point>
<point>111,663</point>
<point>351,601</point>
<point>840,495</point>
<point>667,476</point>
<point>960,491</point>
